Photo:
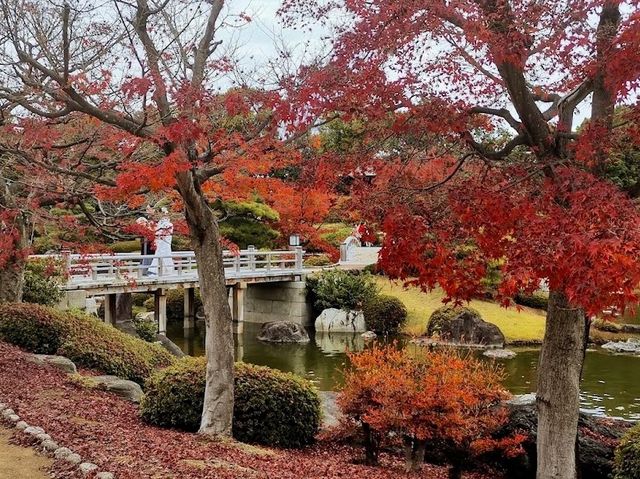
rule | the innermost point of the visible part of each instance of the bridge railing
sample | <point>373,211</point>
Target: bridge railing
<point>83,268</point>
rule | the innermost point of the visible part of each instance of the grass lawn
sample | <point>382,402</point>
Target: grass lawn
<point>526,325</point>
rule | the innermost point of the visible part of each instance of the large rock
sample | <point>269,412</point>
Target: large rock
<point>499,354</point>
<point>60,362</point>
<point>632,345</point>
<point>464,326</point>
<point>597,439</point>
<point>121,387</point>
<point>341,321</point>
<point>283,332</point>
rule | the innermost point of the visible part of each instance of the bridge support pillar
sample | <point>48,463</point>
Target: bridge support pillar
<point>160,310</point>
<point>110,310</point>
<point>237,311</point>
<point>189,308</point>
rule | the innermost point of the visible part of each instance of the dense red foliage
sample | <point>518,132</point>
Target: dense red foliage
<point>427,398</point>
<point>107,431</point>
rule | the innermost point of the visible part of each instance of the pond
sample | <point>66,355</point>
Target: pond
<point>610,382</point>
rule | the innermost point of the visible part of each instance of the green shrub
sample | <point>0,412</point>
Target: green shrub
<point>42,283</point>
<point>318,260</point>
<point>444,314</point>
<point>270,408</point>
<point>83,339</point>
<point>341,289</point>
<point>131,246</point>
<point>146,329</point>
<point>335,234</point>
<point>384,314</point>
<point>32,327</point>
<point>175,304</point>
<point>538,300</point>
<point>139,299</point>
<point>627,458</point>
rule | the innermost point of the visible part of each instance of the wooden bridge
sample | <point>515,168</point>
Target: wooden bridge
<point>115,274</point>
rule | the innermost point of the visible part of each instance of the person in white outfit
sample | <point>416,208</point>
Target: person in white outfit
<point>164,236</point>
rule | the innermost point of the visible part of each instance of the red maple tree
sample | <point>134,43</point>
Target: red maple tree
<point>495,87</point>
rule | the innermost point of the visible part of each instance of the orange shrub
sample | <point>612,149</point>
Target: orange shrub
<point>426,397</point>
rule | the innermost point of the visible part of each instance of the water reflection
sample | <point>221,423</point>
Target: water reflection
<point>609,385</point>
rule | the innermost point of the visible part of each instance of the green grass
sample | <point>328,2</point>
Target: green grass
<point>526,325</point>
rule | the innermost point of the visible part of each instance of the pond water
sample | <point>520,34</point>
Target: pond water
<point>610,382</point>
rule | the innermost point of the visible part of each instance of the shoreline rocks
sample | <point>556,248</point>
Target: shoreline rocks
<point>464,326</point>
<point>630,346</point>
<point>341,321</point>
<point>499,354</point>
<point>283,332</point>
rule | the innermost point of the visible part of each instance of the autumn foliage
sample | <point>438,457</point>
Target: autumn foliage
<point>426,398</point>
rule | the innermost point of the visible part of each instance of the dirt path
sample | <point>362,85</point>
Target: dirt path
<point>20,462</point>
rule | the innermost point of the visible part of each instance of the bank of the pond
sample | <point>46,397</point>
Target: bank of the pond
<point>609,385</point>
<point>519,327</point>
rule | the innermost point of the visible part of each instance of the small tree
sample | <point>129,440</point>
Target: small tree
<point>426,397</point>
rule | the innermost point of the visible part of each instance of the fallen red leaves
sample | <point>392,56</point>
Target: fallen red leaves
<point>107,431</point>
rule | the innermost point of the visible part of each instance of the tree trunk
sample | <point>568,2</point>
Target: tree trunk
<point>413,454</point>
<point>558,396</point>
<point>371,445</point>
<point>217,414</point>
<point>12,281</point>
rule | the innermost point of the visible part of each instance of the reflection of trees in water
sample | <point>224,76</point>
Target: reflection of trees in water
<point>609,381</point>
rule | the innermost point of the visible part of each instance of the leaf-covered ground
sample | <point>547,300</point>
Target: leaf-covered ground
<point>107,431</point>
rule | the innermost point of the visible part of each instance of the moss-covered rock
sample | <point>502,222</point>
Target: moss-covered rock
<point>627,455</point>
<point>464,326</point>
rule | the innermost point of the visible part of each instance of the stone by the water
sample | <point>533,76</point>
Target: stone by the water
<point>87,468</point>
<point>283,332</point>
<point>632,346</point>
<point>499,354</point>
<point>465,326</point>
<point>369,335</point>
<point>340,321</point>
<point>62,452</point>
<point>121,387</point>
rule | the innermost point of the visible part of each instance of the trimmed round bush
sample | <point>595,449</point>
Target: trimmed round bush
<point>317,261</point>
<point>341,289</point>
<point>83,339</point>
<point>32,327</point>
<point>41,283</point>
<point>384,314</point>
<point>271,407</point>
<point>538,300</point>
<point>627,458</point>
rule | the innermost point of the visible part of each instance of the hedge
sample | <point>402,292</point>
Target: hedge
<point>270,408</point>
<point>384,314</point>
<point>538,300</point>
<point>83,339</point>
<point>341,289</point>
<point>627,458</point>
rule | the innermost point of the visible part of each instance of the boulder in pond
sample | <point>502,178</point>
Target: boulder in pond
<point>464,326</point>
<point>341,321</point>
<point>283,332</point>
<point>632,346</point>
<point>597,438</point>
<point>121,387</point>
<point>499,354</point>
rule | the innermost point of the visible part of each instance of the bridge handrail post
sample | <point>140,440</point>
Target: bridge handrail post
<point>299,256</point>
<point>236,263</point>
<point>251,253</point>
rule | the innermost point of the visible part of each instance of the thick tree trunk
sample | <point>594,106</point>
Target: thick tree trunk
<point>217,413</point>
<point>558,397</point>
<point>413,454</point>
<point>12,281</point>
<point>124,306</point>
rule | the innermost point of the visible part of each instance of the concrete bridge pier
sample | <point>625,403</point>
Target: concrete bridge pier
<point>237,305</point>
<point>110,309</point>
<point>189,320</point>
<point>160,310</point>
